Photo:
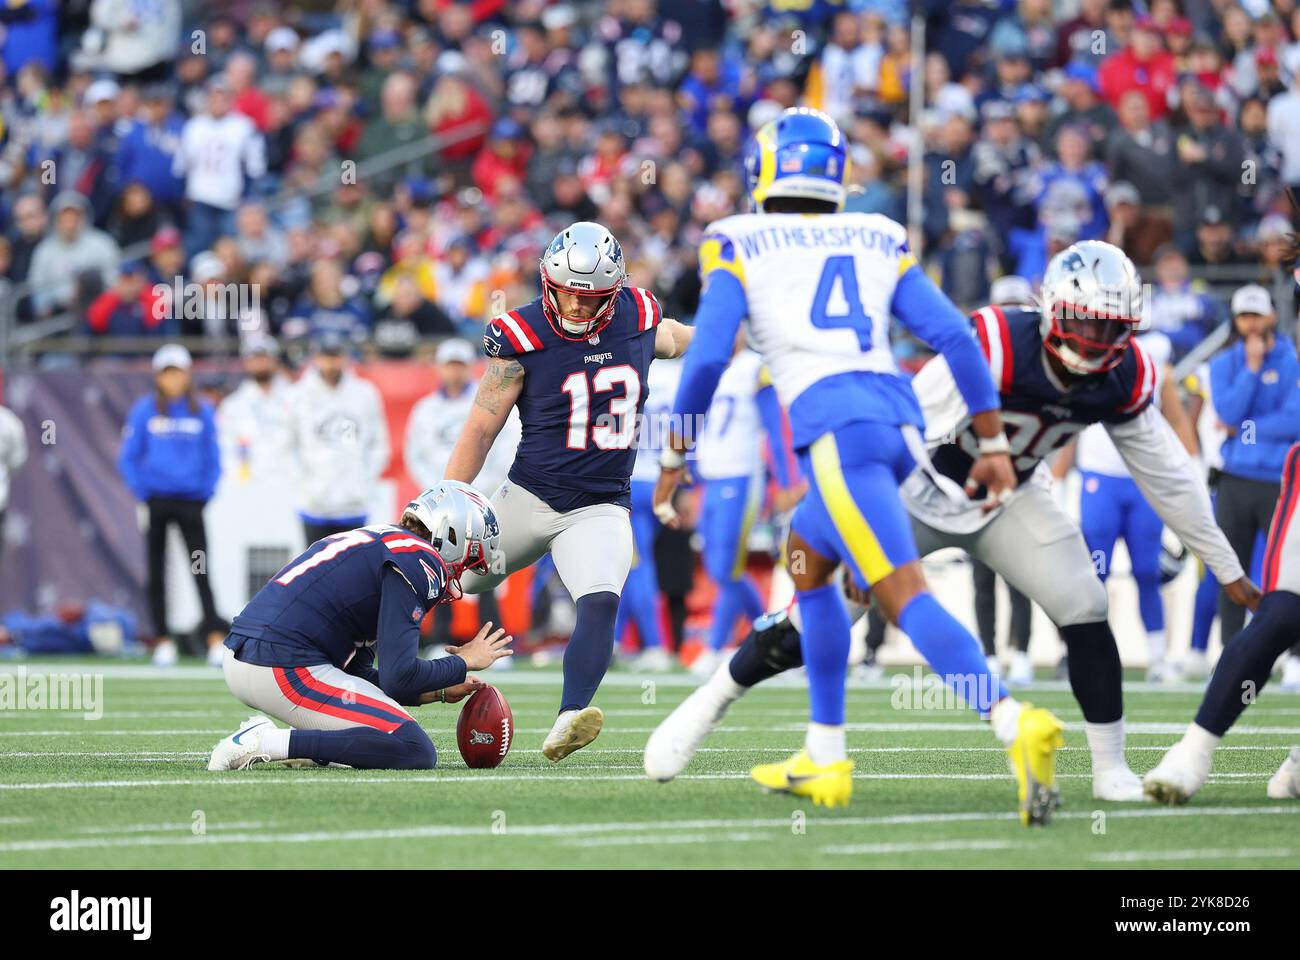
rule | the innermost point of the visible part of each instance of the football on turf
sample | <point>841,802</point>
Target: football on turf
<point>485,728</point>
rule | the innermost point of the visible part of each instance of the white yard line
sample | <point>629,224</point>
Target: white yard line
<point>1147,856</point>
<point>534,775</point>
<point>942,846</point>
<point>571,830</point>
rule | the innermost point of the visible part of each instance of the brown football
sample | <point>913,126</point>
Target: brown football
<point>485,728</point>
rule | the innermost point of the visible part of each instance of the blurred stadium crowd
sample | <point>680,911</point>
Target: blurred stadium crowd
<point>286,147</point>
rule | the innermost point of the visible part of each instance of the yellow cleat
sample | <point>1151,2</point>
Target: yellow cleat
<point>829,785</point>
<point>1033,760</point>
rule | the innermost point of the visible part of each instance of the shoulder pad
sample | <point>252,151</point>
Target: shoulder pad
<point>1136,373</point>
<point>646,304</point>
<point>512,334</point>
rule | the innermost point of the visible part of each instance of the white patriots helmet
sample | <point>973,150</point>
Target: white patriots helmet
<point>462,526</point>
<point>584,259</point>
<point>1091,306</point>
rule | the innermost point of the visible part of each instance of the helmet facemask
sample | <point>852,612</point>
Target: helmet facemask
<point>577,327</point>
<point>1085,341</point>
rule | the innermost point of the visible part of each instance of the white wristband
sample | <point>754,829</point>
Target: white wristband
<point>991,445</point>
<point>671,459</point>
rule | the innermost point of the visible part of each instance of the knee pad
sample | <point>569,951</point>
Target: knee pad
<point>777,641</point>
<point>1082,602</point>
<point>420,753</point>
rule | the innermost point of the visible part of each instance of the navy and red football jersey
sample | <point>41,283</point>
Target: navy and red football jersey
<point>324,605</point>
<point>1038,416</point>
<point>581,400</point>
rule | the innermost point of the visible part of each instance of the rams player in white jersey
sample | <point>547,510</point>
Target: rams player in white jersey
<point>729,459</point>
<point>817,288</point>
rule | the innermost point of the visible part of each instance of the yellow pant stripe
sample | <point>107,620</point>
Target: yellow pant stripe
<point>753,502</point>
<point>849,522</point>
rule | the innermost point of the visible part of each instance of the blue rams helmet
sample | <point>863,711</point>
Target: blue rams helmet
<point>799,154</point>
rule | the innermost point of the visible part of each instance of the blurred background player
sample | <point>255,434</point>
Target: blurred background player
<point>435,423</point>
<point>639,602</point>
<point>170,461</point>
<point>1210,436</point>
<point>820,320</point>
<point>1256,386</point>
<point>729,459</point>
<point>1247,663</point>
<point>1058,368</point>
<point>13,454</point>
<point>304,648</point>
<point>1010,291</point>
<point>575,362</point>
<point>1112,507</point>
<point>338,438</point>
<point>253,420</point>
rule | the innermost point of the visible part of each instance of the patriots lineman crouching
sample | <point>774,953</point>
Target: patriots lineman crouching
<point>575,362</point>
<point>303,650</point>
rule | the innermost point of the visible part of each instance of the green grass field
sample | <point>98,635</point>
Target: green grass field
<point>131,789</point>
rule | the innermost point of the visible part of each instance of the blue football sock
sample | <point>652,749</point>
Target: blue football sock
<point>640,605</point>
<point>951,651</point>
<point>736,598</point>
<point>825,645</point>
<point>587,656</point>
<point>1204,612</point>
<point>365,748</point>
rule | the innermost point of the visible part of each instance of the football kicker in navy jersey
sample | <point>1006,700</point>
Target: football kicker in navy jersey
<point>575,362</point>
<point>581,400</point>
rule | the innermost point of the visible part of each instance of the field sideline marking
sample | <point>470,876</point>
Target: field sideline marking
<point>565,830</point>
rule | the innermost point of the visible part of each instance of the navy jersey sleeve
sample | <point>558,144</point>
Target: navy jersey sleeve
<point>646,305</point>
<point>511,335</point>
<point>418,563</point>
<point>402,674</point>
<point>1135,379</point>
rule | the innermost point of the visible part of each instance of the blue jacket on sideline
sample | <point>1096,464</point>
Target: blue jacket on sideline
<point>172,454</point>
<point>1269,399</point>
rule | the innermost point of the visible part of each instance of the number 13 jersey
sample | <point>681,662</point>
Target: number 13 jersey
<point>581,400</point>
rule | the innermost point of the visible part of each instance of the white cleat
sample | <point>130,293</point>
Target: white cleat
<point>705,663</point>
<point>216,654</point>
<point>674,742</point>
<point>1159,671</point>
<point>1118,785</point>
<point>1178,776</point>
<point>243,748</point>
<point>1291,673</point>
<point>653,660</point>
<point>1021,670</point>
<point>1195,666</point>
<point>1285,784</point>
<point>994,665</point>
<point>165,654</point>
<point>573,730</point>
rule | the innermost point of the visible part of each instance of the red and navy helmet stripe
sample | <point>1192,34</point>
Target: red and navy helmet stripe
<point>299,686</point>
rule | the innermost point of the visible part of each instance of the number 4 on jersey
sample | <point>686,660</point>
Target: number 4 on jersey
<point>838,290</point>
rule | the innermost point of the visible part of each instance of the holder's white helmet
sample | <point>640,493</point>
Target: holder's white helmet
<point>462,527</point>
<point>584,259</point>
<point>1091,304</point>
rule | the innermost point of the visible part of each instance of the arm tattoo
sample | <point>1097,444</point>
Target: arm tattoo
<point>501,375</point>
